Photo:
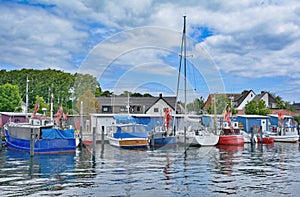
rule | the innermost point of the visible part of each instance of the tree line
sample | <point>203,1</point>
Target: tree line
<point>44,86</point>
<point>62,88</point>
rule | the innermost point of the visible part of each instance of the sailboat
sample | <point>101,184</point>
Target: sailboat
<point>193,136</point>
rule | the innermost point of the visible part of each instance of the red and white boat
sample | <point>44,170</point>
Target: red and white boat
<point>230,133</point>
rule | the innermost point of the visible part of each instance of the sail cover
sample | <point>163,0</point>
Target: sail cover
<point>57,134</point>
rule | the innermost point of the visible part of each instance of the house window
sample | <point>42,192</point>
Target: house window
<point>106,109</point>
<point>156,110</point>
<point>123,109</point>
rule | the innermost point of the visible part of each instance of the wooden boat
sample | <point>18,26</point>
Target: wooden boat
<point>46,138</point>
<point>129,135</point>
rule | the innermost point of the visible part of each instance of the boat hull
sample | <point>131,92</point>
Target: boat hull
<point>129,143</point>
<point>207,139</point>
<point>231,140</point>
<point>287,138</point>
<point>160,139</point>
<point>266,140</point>
<point>42,146</point>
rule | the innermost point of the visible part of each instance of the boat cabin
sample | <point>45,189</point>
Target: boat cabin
<point>128,131</point>
<point>248,122</point>
<point>283,124</point>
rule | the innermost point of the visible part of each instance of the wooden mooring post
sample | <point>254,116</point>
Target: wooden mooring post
<point>102,135</point>
<point>1,138</point>
<point>32,139</point>
<point>152,139</point>
<point>94,140</point>
<point>252,135</point>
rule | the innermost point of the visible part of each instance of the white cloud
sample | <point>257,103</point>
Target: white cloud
<point>248,38</point>
<point>31,37</point>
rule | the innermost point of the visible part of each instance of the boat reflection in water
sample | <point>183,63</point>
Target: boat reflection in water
<point>44,173</point>
<point>44,165</point>
<point>225,178</point>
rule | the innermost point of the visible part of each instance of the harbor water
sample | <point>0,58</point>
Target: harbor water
<point>259,170</point>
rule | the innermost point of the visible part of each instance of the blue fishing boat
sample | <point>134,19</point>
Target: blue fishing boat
<point>40,135</point>
<point>46,138</point>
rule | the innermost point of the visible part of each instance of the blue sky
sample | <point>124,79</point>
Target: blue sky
<point>135,45</point>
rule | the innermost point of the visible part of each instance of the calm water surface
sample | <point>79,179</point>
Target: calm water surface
<point>272,170</point>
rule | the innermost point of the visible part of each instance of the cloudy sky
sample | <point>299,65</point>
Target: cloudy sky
<point>135,45</point>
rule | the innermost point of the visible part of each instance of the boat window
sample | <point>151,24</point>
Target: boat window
<point>112,129</point>
<point>127,129</point>
<point>140,128</point>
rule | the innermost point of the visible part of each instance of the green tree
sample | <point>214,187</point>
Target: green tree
<point>196,106</point>
<point>42,103</point>
<point>221,103</point>
<point>147,95</point>
<point>90,103</point>
<point>257,108</point>
<point>10,98</point>
<point>65,87</point>
<point>279,102</point>
<point>136,94</point>
<point>297,119</point>
<point>107,93</point>
<point>82,83</point>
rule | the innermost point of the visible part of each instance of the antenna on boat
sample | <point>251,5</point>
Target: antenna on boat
<point>51,108</point>
<point>26,105</point>
<point>128,105</point>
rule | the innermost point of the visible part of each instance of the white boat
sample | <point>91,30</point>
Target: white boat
<point>198,136</point>
<point>286,134</point>
<point>128,135</point>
